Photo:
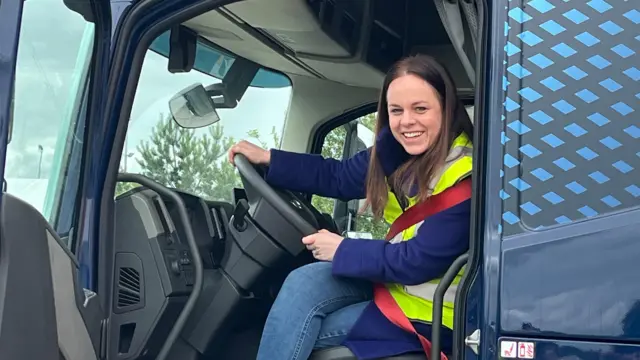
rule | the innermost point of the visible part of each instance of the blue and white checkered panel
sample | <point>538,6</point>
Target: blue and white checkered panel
<point>572,111</point>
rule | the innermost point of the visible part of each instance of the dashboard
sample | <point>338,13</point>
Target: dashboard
<point>153,273</point>
<point>208,221</point>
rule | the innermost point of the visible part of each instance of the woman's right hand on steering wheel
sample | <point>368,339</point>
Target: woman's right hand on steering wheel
<point>255,154</point>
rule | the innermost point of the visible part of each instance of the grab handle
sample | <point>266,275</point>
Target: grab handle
<point>438,303</point>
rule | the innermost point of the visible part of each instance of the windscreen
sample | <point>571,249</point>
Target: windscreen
<point>195,160</point>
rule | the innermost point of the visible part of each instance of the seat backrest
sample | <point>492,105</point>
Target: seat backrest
<point>43,312</point>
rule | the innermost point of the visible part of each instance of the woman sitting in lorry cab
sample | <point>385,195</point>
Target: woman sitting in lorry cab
<point>422,152</point>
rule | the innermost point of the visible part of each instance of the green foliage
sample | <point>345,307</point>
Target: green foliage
<point>122,188</point>
<point>178,158</point>
<point>369,121</point>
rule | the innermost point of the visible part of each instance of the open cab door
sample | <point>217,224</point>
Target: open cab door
<point>556,180</point>
<point>53,59</point>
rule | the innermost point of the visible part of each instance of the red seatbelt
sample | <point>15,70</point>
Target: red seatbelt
<point>435,204</point>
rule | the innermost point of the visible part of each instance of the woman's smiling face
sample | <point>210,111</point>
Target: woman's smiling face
<point>415,113</point>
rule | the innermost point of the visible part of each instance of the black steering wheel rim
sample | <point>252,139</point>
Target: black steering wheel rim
<point>249,173</point>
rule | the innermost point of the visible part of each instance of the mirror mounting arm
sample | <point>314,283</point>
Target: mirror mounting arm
<point>220,96</point>
<point>227,95</point>
<point>239,77</point>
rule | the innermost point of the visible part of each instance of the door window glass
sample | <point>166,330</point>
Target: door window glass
<point>333,147</point>
<point>53,59</point>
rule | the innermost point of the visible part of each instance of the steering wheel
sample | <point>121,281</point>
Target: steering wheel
<point>284,202</point>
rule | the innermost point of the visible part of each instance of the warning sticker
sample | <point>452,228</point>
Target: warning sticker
<point>508,349</point>
<point>526,350</point>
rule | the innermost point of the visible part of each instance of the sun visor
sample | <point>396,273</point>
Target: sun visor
<point>217,63</point>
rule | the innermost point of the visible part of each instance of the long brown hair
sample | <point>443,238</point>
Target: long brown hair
<point>418,170</point>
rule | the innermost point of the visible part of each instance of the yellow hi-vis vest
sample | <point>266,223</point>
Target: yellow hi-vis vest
<point>417,301</point>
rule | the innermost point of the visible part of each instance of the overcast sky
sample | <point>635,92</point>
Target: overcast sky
<point>50,56</point>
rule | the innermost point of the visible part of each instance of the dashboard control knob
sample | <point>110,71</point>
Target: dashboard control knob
<point>175,267</point>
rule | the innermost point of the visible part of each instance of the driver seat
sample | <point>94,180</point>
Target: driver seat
<point>44,313</point>
<point>343,353</point>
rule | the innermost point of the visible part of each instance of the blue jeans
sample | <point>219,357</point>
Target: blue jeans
<point>313,310</point>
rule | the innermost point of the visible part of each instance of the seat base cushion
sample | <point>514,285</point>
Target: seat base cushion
<point>343,353</point>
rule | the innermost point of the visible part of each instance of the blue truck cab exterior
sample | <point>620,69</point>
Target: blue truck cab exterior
<point>563,224</point>
<point>559,217</point>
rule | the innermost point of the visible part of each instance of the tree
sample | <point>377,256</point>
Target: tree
<point>178,158</point>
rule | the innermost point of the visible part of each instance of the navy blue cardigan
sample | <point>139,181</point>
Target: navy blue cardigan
<point>439,241</point>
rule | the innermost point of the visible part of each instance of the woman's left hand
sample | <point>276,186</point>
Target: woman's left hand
<point>323,244</point>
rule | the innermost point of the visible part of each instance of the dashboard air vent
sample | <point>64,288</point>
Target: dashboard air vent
<point>128,287</point>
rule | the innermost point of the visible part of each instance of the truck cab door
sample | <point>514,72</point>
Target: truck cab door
<point>53,58</point>
<point>558,207</point>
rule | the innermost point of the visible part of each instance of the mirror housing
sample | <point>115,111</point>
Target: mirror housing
<point>193,108</point>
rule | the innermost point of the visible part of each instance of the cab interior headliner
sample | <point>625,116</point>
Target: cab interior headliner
<point>286,35</point>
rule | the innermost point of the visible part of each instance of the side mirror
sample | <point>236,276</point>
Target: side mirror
<point>193,108</point>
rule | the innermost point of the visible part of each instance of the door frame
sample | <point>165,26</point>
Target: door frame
<point>101,58</point>
<point>471,306</point>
